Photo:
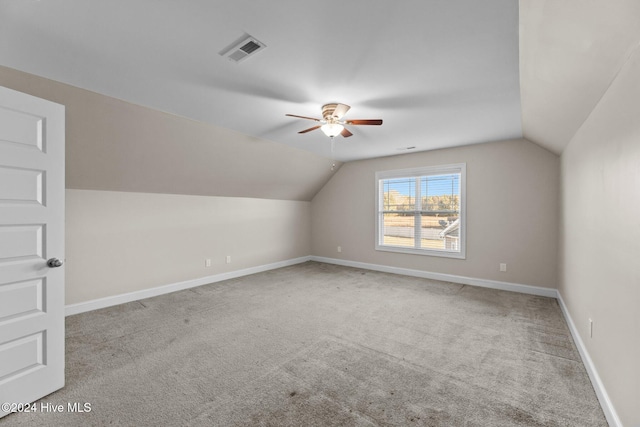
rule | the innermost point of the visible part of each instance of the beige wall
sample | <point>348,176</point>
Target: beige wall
<point>512,213</point>
<point>121,242</point>
<point>600,249</point>
<point>119,146</point>
<point>136,237</point>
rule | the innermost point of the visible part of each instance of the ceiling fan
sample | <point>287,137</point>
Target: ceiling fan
<point>332,124</point>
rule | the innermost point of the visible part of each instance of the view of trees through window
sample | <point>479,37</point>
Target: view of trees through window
<point>421,212</point>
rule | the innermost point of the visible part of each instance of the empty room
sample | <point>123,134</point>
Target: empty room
<point>296,213</point>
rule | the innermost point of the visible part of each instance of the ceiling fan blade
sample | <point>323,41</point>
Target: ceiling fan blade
<point>303,117</point>
<point>340,111</point>
<point>364,122</point>
<point>310,129</point>
<point>345,133</point>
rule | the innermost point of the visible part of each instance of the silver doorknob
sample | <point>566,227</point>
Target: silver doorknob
<point>54,262</point>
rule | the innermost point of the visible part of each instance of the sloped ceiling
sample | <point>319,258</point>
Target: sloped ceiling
<point>119,146</point>
<point>570,52</point>
<point>440,73</point>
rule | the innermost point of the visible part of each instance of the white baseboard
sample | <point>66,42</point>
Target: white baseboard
<point>493,284</point>
<point>173,287</point>
<point>605,402</point>
<point>603,397</point>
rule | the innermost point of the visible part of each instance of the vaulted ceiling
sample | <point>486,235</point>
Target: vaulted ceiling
<point>440,73</point>
<point>570,52</point>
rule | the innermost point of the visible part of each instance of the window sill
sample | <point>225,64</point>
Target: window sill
<point>442,254</point>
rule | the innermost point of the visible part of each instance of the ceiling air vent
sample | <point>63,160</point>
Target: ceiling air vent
<point>243,48</point>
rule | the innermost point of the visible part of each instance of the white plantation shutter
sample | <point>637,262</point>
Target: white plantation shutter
<point>422,210</point>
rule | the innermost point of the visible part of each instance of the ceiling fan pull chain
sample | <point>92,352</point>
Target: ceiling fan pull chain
<point>333,162</point>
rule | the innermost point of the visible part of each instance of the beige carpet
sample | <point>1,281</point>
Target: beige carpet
<point>322,345</point>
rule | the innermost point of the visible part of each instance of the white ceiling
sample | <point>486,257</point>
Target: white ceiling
<point>440,73</point>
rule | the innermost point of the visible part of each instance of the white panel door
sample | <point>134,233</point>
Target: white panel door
<point>31,241</point>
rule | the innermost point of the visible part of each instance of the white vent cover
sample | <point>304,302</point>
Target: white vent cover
<point>243,48</point>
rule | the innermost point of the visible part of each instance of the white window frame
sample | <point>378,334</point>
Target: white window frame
<point>456,168</point>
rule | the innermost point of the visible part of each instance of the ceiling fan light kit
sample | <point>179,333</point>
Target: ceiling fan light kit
<point>332,129</point>
<point>332,124</point>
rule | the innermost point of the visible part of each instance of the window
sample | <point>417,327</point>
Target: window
<point>422,211</point>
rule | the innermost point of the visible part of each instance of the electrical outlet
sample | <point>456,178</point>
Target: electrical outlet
<point>207,262</point>
<point>590,328</point>
<point>503,266</point>
<point>339,248</point>
<point>228,259</point>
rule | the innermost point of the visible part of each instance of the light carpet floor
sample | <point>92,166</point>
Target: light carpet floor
<point>322,345</point>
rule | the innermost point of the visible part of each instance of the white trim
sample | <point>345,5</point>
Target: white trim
<point>421,170</point>
<point>485,283</point>
<point>603,397</point>
<point>173,287</point>
<point>605,402</point>
<point>426,252</point>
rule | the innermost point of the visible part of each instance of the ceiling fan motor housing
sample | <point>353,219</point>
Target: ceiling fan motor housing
<point>328,110</point>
